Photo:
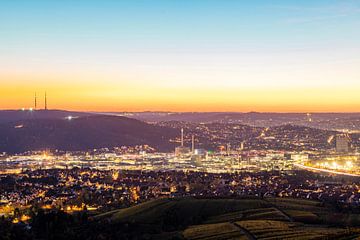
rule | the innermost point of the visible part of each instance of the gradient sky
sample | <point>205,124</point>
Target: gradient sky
<point>198,55</point>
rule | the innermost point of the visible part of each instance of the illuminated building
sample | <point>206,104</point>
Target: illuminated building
<point>342,143</point>
<point>200,152</point>
<point>198,156</point>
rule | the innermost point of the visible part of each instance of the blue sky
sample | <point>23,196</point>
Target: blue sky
<point>178,21</point>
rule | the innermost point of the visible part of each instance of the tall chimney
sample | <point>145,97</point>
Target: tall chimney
<point>192,143</point>
<point>182,137</point>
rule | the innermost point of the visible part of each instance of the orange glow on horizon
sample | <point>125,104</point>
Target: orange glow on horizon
<point>91,94</point>
<point>177,100</point>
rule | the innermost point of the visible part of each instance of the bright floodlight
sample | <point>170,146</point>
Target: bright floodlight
<point>69,118</point>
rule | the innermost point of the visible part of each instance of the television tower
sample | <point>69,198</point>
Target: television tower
<point>45,102</point>
<point>35,102</point>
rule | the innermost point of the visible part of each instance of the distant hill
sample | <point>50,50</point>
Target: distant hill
<point>16,115</point>
<point>215,116</point>
<point>327,121</point>
<point>80,133</point>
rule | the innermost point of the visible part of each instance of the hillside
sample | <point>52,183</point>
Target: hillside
<point>327,121</point>
<point>247,218</point>
<point>7,116</point>
<point>81,133</point>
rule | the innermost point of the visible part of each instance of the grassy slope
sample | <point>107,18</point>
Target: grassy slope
<point>237,218</point>
<point>184,208</point>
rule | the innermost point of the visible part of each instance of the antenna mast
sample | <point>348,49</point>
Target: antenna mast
<point>35,102</point>
<point>46,102</point>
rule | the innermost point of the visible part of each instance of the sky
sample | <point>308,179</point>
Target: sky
<point>199,55</point>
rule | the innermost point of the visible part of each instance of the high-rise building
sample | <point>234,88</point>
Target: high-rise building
<point>198,156</point>
<point>342,143</point>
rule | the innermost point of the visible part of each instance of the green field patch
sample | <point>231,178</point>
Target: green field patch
<point>214,207</point>
<point>183,212</point>
<point>263,224</point>
<point>138,209</point>
<point>342,219</point>
<point>264,229</point>
<point>296,201</point>
<point>263,214</point>
<point>292,205</point>
<point>105,215</point>
<point>229,217</point>
<point>213,231</point>
<point>303,216</point>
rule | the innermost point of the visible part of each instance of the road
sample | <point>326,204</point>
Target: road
<point>326,170</point>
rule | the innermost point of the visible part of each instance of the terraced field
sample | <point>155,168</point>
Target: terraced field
<point>267,230</point>
<point>268,219</point>
<point>214,231</point>
<point>185,208</point>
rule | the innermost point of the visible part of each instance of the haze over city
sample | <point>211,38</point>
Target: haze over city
<point>278,56</point>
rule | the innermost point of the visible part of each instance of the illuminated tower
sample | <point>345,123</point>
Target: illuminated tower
<point>182,137</point>
<point>45,102</point>
<point>182,150</point>
<point>242,144</point>
<point>192,143</point>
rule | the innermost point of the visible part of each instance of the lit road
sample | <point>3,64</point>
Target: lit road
<point>326,170</point>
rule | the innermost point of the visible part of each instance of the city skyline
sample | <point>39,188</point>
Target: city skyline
<point>282,56</point>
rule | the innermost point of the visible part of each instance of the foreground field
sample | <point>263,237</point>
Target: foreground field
<point>266,230</point>
<point>244,218</point>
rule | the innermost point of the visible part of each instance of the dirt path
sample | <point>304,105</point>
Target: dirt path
<point>248,234</point>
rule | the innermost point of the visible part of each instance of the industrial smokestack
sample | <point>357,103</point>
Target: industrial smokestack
<point>192,143</point>
<point>182,137</point>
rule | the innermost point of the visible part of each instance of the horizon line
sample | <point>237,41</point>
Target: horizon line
<point>163,111</point>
